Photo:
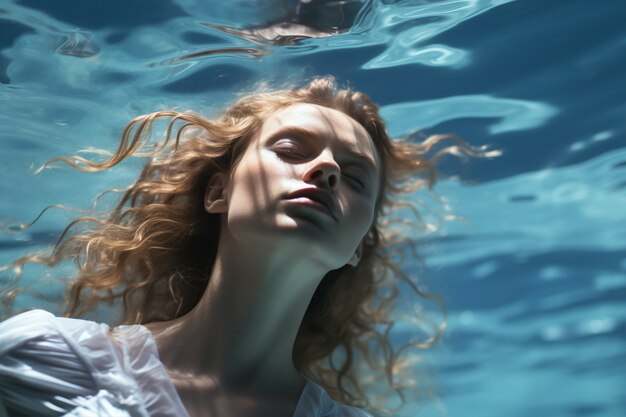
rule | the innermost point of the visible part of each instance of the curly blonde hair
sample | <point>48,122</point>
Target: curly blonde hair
<point>154,251</point>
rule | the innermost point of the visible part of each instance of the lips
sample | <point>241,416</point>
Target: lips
<point>316,198</point>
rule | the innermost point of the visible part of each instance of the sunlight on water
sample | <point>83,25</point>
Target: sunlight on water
<point>514,114</point>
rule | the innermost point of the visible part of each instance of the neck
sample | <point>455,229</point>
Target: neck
<point>242,331</point>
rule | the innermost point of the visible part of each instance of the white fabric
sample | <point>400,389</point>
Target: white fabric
<point>52,366</point>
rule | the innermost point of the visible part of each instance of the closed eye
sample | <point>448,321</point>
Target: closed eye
<point>288,148</point>
<point>357,180</point>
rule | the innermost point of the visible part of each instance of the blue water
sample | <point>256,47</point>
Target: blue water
<point>535,274</point>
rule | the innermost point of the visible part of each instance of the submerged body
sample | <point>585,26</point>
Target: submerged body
<point>249,250</point>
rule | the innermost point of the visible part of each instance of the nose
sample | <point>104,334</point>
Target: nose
<point>324,172</point>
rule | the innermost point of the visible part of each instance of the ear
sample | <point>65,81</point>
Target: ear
<point>215,198</point>
<point>356,256</point>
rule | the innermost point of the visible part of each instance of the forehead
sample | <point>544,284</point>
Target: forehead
<point>323,123</point>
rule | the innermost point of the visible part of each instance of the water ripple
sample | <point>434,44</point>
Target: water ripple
<point>78,44</point>
<point>569,210</point>
<point>405,27</point>
<point>223,52</point>
<point>515,114</point>
<point>433,55</point>
<point>69,41</point>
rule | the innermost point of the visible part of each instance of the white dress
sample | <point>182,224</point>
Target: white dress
<point>52,366</point>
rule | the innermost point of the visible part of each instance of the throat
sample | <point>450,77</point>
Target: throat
<point>204,396</point>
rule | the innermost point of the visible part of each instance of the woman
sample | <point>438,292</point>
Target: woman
<point>251,262</point>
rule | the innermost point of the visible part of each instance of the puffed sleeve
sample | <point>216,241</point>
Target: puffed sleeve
<point>49,367</point>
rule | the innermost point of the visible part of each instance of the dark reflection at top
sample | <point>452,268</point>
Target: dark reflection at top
<point>278,34</point>
<point>325,15</point>
<point>302,19</point>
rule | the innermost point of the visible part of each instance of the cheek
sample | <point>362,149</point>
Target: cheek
<point>366,223</point>
<point>245,177</point>
<point>256,183</point>
<point>361,215</point>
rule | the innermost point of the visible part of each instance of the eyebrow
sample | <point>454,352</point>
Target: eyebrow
<point>301,132</point>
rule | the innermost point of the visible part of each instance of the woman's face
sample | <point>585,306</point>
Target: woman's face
<point>309,181</point>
